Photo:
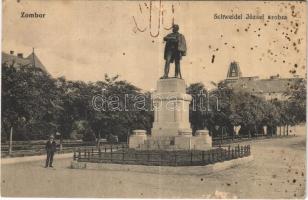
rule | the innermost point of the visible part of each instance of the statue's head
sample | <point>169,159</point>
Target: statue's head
<point>175,28</point>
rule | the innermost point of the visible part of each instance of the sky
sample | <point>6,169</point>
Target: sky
<point>83,40</point>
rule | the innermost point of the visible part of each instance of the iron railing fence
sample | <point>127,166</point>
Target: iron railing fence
<point>160,157</point>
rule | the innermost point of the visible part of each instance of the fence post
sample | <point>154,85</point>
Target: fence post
<point>161,158</point>
<point>92,151</point>
<point>238,151</point>
<point>191,157</point>
<point>122,156</point>
<point>74,157</point>
<point>99,152</point>
<point>203,157</point>
<point>221,138</point>
<point>244,150</point>
<point>105,149</point>
<point>111,148</point>
<point>222,154</point>
<point>209,156</point>
<point>229,153</point>
<point>79,153</point>
<point>233,152</point>
<point>217,155</point>
<point>175,159</point>
<point>111,155</point>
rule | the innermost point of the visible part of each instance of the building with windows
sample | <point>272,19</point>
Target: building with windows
<point>18,60</point>
<point>272,88</point>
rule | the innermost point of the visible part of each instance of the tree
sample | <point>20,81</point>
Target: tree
<point>239,107</point>
<point>27,96</point>
<point>121,115</point>
<point>198,106</point>
<point>296,103</point>
<point>82,129</point>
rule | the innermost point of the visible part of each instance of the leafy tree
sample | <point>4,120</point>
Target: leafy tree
<point>198,106</point>
<point>120,114</point>
<point>296,103</point>
<point>36,105</point>
<point>236,107</point>
<point>27,96</point>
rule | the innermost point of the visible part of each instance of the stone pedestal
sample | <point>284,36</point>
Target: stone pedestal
<point>202,140</point>
<point>171,128</point>
<point>183,142</point>
<point>171,108</point>
<point>137,138</point>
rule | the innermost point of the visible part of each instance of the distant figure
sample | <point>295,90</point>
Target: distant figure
<point>174,50</point>
<point>51,148</point>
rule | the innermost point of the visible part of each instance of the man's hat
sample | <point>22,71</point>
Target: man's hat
<point>51,137</point>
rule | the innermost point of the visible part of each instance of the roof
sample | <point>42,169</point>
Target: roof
<point>276,85</point>
<point>31,60</point>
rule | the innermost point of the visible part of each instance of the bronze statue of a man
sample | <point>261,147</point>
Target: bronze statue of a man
<point>174,50</point>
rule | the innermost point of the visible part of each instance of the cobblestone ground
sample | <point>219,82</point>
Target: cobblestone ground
<point>278,171</point>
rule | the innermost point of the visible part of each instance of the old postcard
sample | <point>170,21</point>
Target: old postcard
<point>153,99</point>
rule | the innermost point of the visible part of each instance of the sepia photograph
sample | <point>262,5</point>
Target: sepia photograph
<point>161,99</point>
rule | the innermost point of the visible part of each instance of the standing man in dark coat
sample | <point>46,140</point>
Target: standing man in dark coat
<point>51,148</point>
<point>174,50</point>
